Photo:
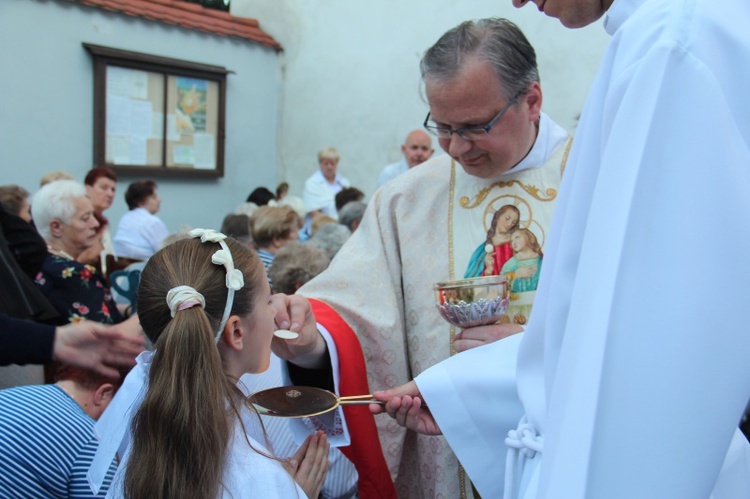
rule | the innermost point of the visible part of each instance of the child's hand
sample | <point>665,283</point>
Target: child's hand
<point>309,465</point>
<point>489,264</point>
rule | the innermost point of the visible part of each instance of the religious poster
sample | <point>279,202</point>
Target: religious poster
<point>191,105</point>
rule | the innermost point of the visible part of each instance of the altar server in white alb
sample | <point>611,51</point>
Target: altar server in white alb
<point>450,217</point>
<point>633,370</point>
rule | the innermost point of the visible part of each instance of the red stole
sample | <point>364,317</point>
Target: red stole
<point>365,452</point>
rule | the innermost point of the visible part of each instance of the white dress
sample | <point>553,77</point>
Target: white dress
<point>633,372</point>
<point>248,473</point>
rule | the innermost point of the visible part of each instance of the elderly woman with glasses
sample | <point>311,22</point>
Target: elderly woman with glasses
<point>65,218</point>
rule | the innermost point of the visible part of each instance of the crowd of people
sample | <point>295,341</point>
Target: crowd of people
<point>64,259</point>
<point>565,396</point>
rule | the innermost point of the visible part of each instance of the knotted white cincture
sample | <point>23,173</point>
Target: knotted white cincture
<point>184,297</point>
<point>523,444</point>
<point>234,279</point>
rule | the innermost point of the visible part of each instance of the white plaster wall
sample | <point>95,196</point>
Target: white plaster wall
<point>46,102</point>
<point>351,75</point>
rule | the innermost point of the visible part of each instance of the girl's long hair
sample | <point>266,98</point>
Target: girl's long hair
<point>182,429</point>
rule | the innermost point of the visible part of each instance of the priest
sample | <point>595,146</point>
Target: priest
<point>501,173</point>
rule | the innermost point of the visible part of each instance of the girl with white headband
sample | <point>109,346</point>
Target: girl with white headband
<point>205,304</point>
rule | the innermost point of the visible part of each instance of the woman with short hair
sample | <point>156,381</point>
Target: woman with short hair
<point>65,219</point>
<point>140,232</point>
<point>101,183</point>
<point>272,227</point>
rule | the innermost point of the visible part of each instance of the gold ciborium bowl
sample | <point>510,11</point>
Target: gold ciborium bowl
<point>477,301</point>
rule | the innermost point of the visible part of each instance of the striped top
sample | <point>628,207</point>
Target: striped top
<point>267,258</point>
<point>47,444</point>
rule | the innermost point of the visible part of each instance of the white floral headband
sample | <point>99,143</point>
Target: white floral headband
<point>234,279</point>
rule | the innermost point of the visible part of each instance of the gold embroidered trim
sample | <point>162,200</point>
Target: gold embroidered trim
<point>565,156</point>
<point>451,273</point>
<point>451,270</point>
<point>548,195</point>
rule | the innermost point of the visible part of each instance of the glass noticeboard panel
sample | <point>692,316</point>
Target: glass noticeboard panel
<point>191,124</point>
<point>156,116</point>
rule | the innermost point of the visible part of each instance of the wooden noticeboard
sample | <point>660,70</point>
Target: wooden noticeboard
<point>157,116</point>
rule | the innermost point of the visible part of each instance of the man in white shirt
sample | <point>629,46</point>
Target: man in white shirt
<point>632,374</point>
<point>416,149</point>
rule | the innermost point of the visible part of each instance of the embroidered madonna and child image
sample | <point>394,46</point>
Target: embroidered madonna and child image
<point>513,248</point>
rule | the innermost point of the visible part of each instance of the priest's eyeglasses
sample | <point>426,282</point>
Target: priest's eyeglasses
<point>470,133</point>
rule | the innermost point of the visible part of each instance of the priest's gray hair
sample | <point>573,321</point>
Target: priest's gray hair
<point>498,41</point>
<point>55,200</point>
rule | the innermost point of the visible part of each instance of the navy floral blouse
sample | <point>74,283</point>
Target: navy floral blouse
<point>77,291</point>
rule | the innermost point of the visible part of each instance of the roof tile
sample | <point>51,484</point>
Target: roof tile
<point>191,16</point>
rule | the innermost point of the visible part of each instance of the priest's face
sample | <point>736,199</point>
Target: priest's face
<point>473,97</point>
<point>571,13</point>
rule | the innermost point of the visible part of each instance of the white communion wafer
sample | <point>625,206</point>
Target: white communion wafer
<point>285,334</point>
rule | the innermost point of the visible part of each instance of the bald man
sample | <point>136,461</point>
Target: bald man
<point>417,149</point>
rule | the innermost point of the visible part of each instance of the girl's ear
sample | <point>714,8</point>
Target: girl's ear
<point>234,334</point>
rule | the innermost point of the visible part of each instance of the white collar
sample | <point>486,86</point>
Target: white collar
<point>549,137</point>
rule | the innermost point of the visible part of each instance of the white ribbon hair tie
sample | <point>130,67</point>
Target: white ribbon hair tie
<point>184,297</point>
<point>234,280</point>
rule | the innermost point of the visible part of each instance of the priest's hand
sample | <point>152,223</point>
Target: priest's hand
<point>404,404</point>
<point>483,335</point>
<point>309,465</point>
<point>293,312</point>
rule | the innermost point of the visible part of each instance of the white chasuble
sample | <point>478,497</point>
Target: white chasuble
<point>422,228</point>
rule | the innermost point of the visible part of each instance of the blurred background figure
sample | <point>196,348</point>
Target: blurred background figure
<point>319,221</point>
<point>416,150</point>
<point>47,433</point>
<point>55,175</point>
<point>325,183</point>
<point>260,196</point>
<point>100,185</point>
<point>346,196</point>
<point>22,254</point>
<point>297,204</point>
<point>351,214</point>
<point>140,232</point>
<point>281,191</point>
<point>65,218</point>
<point>330,238</point>
<point>272,228</point>
<point>238,226</point>
<point>246,209</point>
<point>15,199</point>
<point>294,265</point>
